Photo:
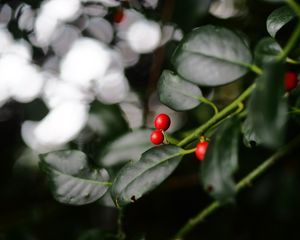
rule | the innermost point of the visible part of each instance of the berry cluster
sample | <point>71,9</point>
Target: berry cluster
<point>162,123</point>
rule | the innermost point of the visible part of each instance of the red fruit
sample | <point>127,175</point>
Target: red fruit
<point>290,81</point>
<point>119,16</point>
<point>201,149</point>
<point>157,137</point>
<point>162,121</point>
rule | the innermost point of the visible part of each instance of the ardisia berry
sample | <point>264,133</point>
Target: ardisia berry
<point>157,137</point>
<point>290,81</point>
<point>201,149</point>
<point>119,16</point>
<point>162,121</point>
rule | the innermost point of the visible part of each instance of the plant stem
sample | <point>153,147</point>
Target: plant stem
<point>246,181</point>
<point>121,235</point>
<point>218,116</point>
<point>295,36</point>
<point>185,152</point>
<point>210,103</point>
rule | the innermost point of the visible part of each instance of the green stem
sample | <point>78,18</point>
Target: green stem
<point>294,6</point>
<point>210,103</point>
<point>246,181</point>
<point>188,151</point>
<point>121,235</point>
<point>217,117</point>
<point>295,36</point>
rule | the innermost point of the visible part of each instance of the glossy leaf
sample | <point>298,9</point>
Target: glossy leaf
<point>221,161</point>
<point>279,18</point>
<point>125,148</point>
<point>212,56</point>
<point>73,180</point>
<point>267,108</point>
<point>177,93</point>
<point>249,135</point>
<point>266,51</point>
<point>139,177</point>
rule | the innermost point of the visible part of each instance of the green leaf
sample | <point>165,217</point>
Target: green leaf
<point>267,108</point>
<point>177,93</point>
<point>73,180</point>
<point>266,51</point>
<point>96,234</point>
<point>221,161</point>
<point>279,18</point>
<point>212,56</point>
<point>128,147</point>
<point>139,177</point>
<point>249,136</point>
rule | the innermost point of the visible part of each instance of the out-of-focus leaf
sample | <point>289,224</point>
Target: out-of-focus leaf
<point>139,177</point>
<point>177,93</point>
<point>125,148</point>
<point>221,161</point>
<point>212,56</point>
<point>197,9</point>
<point>267,108</point>
<point>72,180</point>
<point>279,18</point>
<point>266,51</point>
<point>249,137</point>
<point>96,234</point>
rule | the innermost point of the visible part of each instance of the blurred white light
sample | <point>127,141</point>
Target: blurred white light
<point>87,60</point>
<point>26,17</point>
<point>45,28</point>
<point>101,29</point>
<point>65,36</point>
<point>129,57</point>
<point>24,82</point>
<point>112,88</point>
<point>150,3</point>
<point>227,8</point>
<point>133,110</point>
<point>60,126</point>
<point>20,48</point>
<point>57,92</point>
<point>144,36</point>
<point>5,39</point>
<point>5,14</point>
<point>52,14</point>
<point>61,10</point>
<point>108,3</point>
<point>130,17</point>
<point>95,10</point>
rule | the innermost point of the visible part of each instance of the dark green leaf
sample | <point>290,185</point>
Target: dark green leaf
<point>177,93</point>
<point>221,161</point>
<point>267,108</point>
<point>139,177</point>
<point>212,56</point>
<point>96,234</point>
<point>125,148</point>
<point>73,180</point>
<point>279,18</point>
<point>249,136</point>
<point>266,51</point>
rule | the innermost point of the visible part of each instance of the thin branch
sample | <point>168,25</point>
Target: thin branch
<point>245,182</point>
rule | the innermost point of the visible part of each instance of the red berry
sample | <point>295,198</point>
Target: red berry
<point>201,149</point>
<point>162,121</point>
<point>119,16</point>
<point>157,137</point>
<point>290,81</point>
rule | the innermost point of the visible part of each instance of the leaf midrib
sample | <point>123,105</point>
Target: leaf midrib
<point>107,184</point>
<point>246,65</point>
<point>162,161</point>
